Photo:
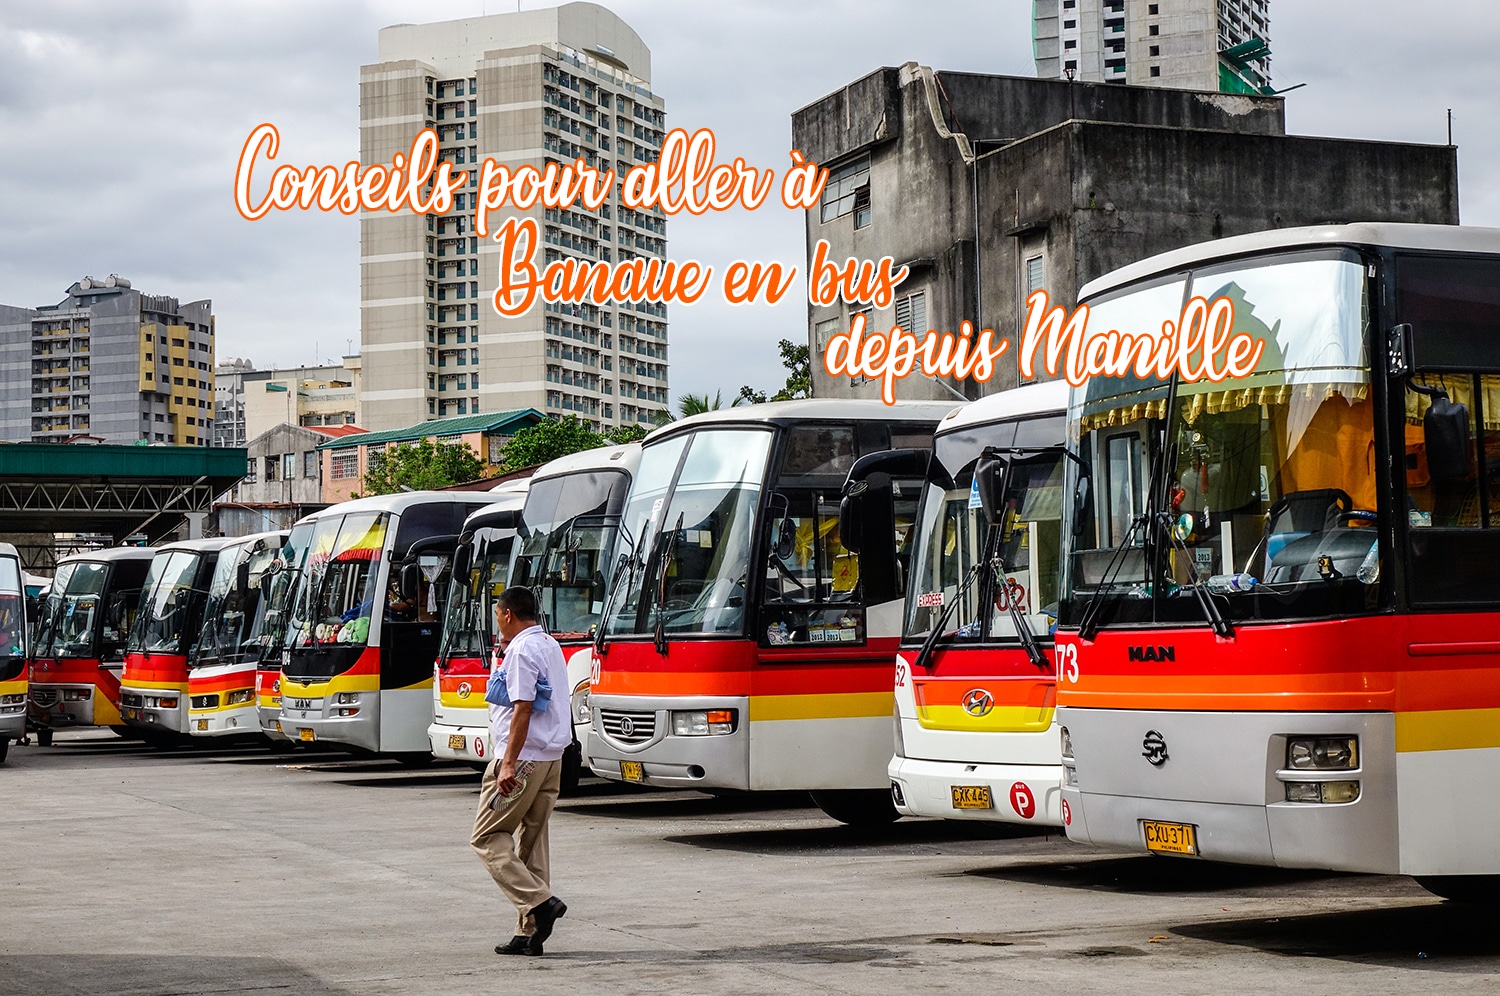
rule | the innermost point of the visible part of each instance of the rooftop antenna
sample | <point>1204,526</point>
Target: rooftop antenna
<point>1450,126</point>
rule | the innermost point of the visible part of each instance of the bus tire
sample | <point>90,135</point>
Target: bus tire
<point>857,807</point>
<point>124,732</point>
<point>44,736</point>
<point>414,759</point>
<point>1473,889</point>
<point>279,746</point>
<point>572,769</point>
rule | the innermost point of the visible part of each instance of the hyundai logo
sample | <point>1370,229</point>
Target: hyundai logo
<point>464,690</point>
<point>627,726</point>
<point>1154,748</point>
<point>978,702</point>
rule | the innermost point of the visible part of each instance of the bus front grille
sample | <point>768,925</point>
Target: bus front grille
<point>628,727</point>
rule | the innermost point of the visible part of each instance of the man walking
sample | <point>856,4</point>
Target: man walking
<point>529,730</point>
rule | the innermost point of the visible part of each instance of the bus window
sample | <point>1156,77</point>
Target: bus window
<point>812,581</point>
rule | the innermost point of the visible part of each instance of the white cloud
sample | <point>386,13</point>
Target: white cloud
<point>122,124</point>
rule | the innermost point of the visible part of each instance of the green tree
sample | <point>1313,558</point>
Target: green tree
<point>798,362</point>
<point>420,466</point>
<point>632,433</point>
<point>548,440</point>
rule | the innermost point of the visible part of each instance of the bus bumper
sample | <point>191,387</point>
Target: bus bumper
<point>1029,794</point>
<point>630,730</point>
<point>233,721</point>
<point>162,709</point>
<point>58,706</point>
<point>12,720</point>
<point>315,720</point>
<point>1227,775</point>
<point>270,721</point>
<point>460,743</point>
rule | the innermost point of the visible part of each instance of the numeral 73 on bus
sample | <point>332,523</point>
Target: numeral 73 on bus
<point>1067,662</point>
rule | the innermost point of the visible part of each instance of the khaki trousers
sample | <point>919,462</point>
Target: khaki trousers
<point>511,839</point>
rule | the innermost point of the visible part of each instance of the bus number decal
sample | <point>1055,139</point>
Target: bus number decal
<point>1067,662</point>
<point>900,673</point>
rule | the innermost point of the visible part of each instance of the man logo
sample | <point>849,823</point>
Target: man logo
<point>1148,653</point>
<point>1154,748</point>
<point>464,690</point>
<point>627,726</point>
<point>978,702</point>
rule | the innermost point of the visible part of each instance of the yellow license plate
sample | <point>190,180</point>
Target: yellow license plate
<point>202,724</point>
<point>130,713</point>
<point>303,733</point>
<point>456,741</point>
<point>1170,838</point>
<point>632,771</point>
<point>972,797</point>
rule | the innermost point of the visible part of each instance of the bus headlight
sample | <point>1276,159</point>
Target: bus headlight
<point>1324,792</point>
<point>346,698</point>
<point>579,702</point>
<point>76,694</point>
<point>240,696</point>
<point>703,723</point>
<point>1067,742</point>
<point>1322,753</point>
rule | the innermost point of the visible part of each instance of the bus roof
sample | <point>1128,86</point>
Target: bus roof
<point>812,409</point>
<point>110,554</point>
<point>1450,238</point>
<point>9,550</point>
<point>401,502</point>
<point>1020,402</point>
<point>501,512</point>
<point>207,544</point>
<point>619,456</point>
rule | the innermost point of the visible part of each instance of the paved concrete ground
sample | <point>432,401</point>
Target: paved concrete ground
<point>124,870</point>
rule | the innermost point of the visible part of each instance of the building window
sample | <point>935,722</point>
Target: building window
<point>1155,70</point>
<point>273,468</point>
<point>1154,29</point>
<point>1071,64</point>
<point>862,207</point>
<point>911,313</point>
<point>288,466</point>
<point>1070,44</point>
<point>249,467</point>
<point>822,332</point>
<point>1153,8</point>
<point>310,463</point>
<point>343,465</point>
<point>1070,24</point>
<point>838,194</point>
<point>1036,274</point>
<point>1156,50</point>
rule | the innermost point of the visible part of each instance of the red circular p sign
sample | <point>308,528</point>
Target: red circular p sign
<point>1022,801</point>
<point>479,746</point>
<point>1067,813</point>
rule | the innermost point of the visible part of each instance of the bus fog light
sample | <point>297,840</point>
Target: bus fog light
<point>346,698</point>
<point>1067,742</point>
<point>75,694</point>
<point>1330,793</point>
<point>348,712</point>
<point>1070,775</point>
<point>240,697</point>
<point>1322,753</point>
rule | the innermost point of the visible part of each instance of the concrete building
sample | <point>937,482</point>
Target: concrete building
<point>533,87</point>
<point>1188,44</point>
<point>111,362</point>
<point>306,396</point>
<point>989,187</point>
<point>229,401</point>
<point>283,480</point>
<point>346,458</point>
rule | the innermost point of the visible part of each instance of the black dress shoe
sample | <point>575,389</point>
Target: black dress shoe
<point>545,914</point>
<point>516,945</point>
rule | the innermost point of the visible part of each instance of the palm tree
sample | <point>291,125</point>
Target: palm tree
<point>697,404</point>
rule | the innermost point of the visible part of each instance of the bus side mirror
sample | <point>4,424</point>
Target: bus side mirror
<point>1445,431</point>
<point>849,511</point>
<point>1080,505</point>
<point>786,538</point>
<point>411,576</point>
<point>462,558</point>
<point>991,478</point>
<point>242,579</point>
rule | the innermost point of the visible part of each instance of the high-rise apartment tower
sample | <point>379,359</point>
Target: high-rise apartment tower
<point>111,362</point>
<point>1186,44</point>
<point>532,87</point>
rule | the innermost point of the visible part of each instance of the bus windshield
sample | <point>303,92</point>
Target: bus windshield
<point>953,536</point>
<point>167,601</point>
<point>567,536</point>
<point>691,518</point>
<point>285,568</point>
<point>1194,486</point>
<point>233,618</point>
<point>338,589</point>
<point>66,626</point>
<point>469,628</point>
<point>12,610</point>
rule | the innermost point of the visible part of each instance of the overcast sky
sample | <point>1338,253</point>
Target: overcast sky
<point>120,124</point>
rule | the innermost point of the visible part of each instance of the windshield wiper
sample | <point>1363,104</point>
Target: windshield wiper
<point>930,644</point>
<point>631,560</point>
<point>1220,625</point>
<point>661,584</point>
<point>1018,618</point>
<point>1088,626</point>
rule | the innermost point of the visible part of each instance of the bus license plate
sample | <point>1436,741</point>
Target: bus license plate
<point>303,733</point>
<point>457,741</point>
<point>202,724</point>
<point>130,713</point>
<point>1170,838</point>
<point>632,771</point>
<point>972,797</point>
